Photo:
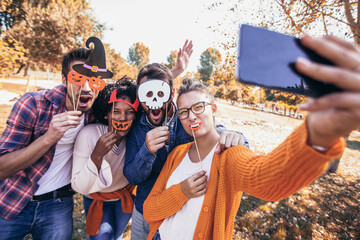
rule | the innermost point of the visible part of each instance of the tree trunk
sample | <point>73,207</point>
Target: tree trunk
<point>26,69</point>
<point>354,26</point>
<point>20,68</point>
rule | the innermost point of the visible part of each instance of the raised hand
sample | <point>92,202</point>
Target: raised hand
<point>102,147</point>
<point>183,57</point>
<point>229,139</point>
<point>337,114</point>
<point>155,138</point>
<point>60,123</point>
<point>194,186</point>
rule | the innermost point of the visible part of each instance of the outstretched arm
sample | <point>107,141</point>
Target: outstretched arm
<point>331,117</point>
<point>334,115</point>
<point>183,57</point>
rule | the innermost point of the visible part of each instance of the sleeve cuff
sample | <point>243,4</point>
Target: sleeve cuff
<point>335,151</point>
<point>104,176</point>
<point>145,152</point>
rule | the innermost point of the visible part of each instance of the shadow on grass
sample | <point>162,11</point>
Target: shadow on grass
<point>354,145</point>
<point>327,209</point>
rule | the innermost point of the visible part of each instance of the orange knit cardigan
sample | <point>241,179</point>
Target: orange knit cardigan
<point>284,171</point>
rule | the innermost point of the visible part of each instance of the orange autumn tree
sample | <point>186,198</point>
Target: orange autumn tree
<point>138,55</point>
<point>12,56</point>
<point>302,15</point>
<point>49,29</point>
<point>224,84</point>
<point>118,65</point>
<point>171,59</point>
<point>209,60</point>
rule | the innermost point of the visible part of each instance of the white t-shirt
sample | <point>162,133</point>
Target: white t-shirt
<point>182,224</point>
<point>59,172</point>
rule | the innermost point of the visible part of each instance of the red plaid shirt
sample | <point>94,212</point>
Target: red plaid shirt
<point>29,119</point>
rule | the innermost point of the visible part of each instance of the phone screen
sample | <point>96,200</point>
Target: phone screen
<point>267,59</point>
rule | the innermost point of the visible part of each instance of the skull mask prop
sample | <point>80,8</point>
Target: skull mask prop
<point>154,93</point>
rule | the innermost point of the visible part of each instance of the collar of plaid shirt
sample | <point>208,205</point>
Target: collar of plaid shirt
<point>29,119</point>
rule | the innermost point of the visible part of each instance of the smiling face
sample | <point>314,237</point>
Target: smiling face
<point>202,123</point>
<point>123,117</point>
<point>156,115</point>
<point>74,91</point>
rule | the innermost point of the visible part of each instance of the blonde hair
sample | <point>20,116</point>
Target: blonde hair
<point>189,85</point>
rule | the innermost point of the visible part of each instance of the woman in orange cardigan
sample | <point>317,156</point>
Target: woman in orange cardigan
<point>195,199</point>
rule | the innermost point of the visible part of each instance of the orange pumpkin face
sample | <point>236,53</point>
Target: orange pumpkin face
<point>96,83</point>
<point>76,78</point>
<point>121,125</point>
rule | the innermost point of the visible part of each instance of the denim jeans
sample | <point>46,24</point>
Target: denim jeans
<point>45,220</point>
<point>114,220</point>
<point>139,226</point>
<point>157,236</point>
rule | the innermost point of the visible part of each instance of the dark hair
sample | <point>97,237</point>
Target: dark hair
<point>125,86</point>
<point>155,71</point>
<point>80,54</point>
<point>189,85</point>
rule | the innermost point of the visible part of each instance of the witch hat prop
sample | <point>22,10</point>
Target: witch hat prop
<point>95,65</point>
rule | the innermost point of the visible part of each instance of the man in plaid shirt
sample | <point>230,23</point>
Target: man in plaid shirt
<point>35,152</point>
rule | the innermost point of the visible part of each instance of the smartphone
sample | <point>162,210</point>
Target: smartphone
<point>267,59</point>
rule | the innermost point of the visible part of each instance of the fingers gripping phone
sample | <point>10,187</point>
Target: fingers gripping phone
<point>267,59</point>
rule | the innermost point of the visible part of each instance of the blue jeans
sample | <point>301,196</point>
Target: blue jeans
<point>139,226</point>
<point>48,220</point>
<point>114,220</point>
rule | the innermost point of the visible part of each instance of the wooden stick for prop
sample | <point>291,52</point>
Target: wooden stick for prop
<point>72,91</point>
<point>112,116</point>
<point>78,99</point>
<point>165,115</point>
<point>112,127</point>
<point>197,149</point>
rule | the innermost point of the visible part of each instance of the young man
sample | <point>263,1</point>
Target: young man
<point>35,152</point>
<point>149,143</point>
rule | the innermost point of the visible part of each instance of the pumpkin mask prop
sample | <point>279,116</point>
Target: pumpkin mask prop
<point>121,125</point>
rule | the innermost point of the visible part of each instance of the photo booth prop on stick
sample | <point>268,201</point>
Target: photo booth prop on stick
<point>121,125</point>
<point>92,70</point>
<point>155,93</point>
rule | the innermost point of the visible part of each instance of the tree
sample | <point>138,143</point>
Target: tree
<point>11,57</point>
<point>51,30</point>
<point>118,65</point>
<point>138,55</point>
<point>10,13</point>
<point>302,15</point>
<point>171,59</point>
<point>209,59</point>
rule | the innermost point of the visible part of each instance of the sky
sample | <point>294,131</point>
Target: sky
<point>162,25</point>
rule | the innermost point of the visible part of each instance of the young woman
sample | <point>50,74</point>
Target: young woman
<point>195,199</point>
<point>98,161</point>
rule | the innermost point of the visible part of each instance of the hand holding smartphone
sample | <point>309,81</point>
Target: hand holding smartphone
<point>267,58</point>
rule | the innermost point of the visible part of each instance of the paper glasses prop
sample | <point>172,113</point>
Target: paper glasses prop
<point>79,79</point>
<point>121,125</point>
<point>154,93</point>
